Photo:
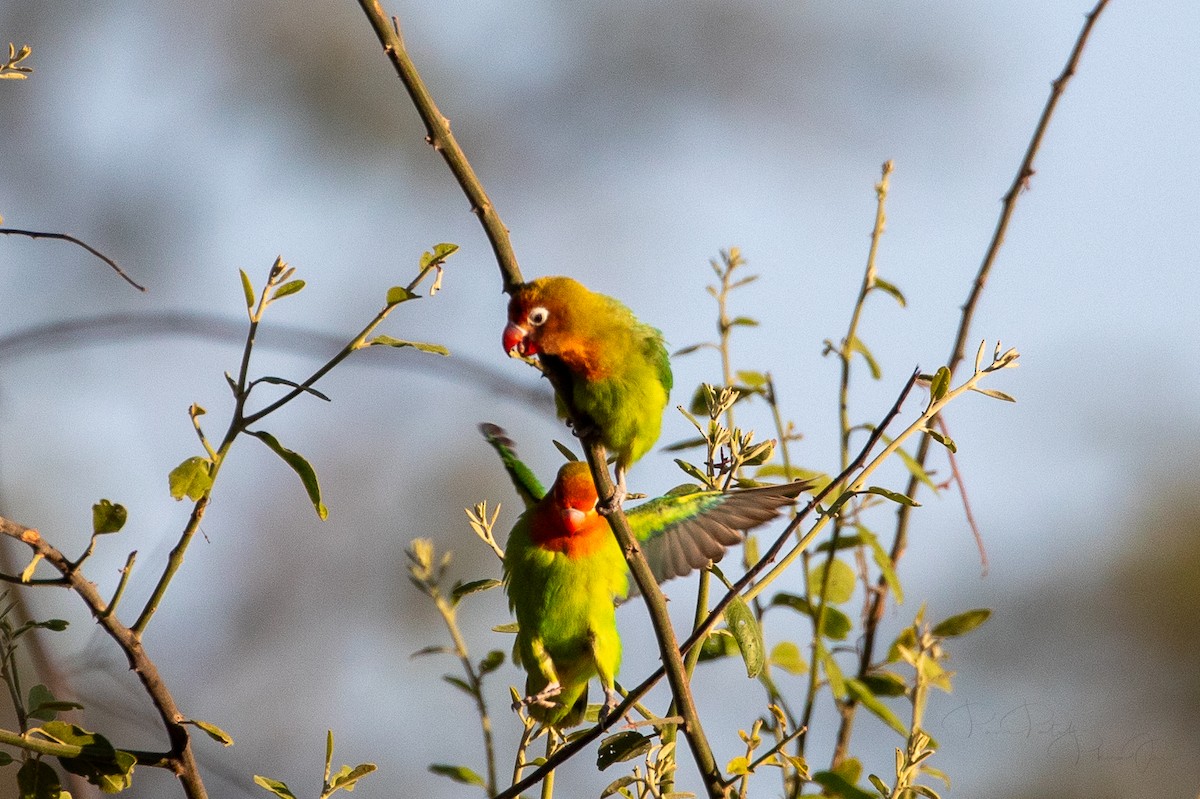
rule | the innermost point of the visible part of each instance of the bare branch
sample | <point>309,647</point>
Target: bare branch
<point>37,234</point>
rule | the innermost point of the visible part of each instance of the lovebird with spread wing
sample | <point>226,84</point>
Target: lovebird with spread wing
<point>564,571</point>
<point>615,367</point>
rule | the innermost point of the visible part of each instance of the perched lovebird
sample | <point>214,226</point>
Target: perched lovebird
<point>564,572</point>
<point>616,367</point>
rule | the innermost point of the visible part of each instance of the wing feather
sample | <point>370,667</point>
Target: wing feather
<point>682,532</point>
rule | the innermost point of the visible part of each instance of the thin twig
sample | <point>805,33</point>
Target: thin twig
<point>1024,173</point>
<point>37,234</point>
<point>850,345</point>
<point>440,137</point>
<point>957,478</point>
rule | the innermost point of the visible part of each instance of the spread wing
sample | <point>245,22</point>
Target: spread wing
<point>684,530</point>
<point>523,479</point>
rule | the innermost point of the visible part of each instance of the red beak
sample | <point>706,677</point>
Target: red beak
<point>573,519</point>
<point>515,339</point>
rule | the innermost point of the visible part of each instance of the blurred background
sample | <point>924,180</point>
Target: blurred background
<point>625,144</point>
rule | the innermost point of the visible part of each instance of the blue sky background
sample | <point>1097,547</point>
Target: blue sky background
<point>624,144</point>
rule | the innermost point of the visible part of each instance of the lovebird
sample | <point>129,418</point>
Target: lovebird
<point>615,367</point>
<point>564,572</point>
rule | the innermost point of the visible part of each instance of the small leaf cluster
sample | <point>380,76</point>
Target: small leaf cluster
<point>344,779</point>
<point>11,69</point>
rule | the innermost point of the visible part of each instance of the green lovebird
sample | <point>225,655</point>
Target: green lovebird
<point>564,571</point>
<point>616,367</point>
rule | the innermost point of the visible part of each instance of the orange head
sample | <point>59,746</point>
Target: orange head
<point>574,495</point>
<point>540,312</point>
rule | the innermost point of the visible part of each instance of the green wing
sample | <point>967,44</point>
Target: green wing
<point>685,529</point>
<point>523,479</point>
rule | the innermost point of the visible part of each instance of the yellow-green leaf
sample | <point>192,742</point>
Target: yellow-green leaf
<point>108,517</point>
<point>300,465</point>
<point>191,479</point>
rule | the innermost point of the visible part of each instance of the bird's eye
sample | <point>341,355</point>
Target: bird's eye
<point>538,316</point>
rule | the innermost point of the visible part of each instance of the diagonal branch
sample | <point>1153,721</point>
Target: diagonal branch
<point>1021,182</point>
<point>180,760</point>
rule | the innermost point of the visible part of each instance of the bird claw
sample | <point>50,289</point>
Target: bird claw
<point>610,506</point>
<point>541,698</point>
<point>611,700</point>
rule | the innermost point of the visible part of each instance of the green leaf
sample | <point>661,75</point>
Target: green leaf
<point>282,381</point>
<point>994,394</point>
<point>884,561</point>
<point>37,780</point>
<point>840,583</point>
<point>894,496</point>
<point>510,627</point>
<point>940,383</point>
<point>687,443</point>
<point>944,440</point>
<point>213,731</point>
<point>880,785</point>
<point>924,790</point>
<point>301,466</point>
<point>346,777</point>
<point>888,288</point>
<point>786,655</point>
<point>718,644</point>
<point>793,473</point>
<point>43,705</point>
<point>752,380</point>
<point>748,635</point>
<point>616,785</point>
<point>399,294</point>
<point>388,341</point>
<point>492,661</point>
<point>962,623</point>
<point>885,683</point>
<point>54,625</point>
<point>623,746</point>
<point>837,785</point>
<point>191,479</point>
<point>691,470</point>
<point>274,786</point>
<point>914,468</point>
<point>738,767</point>
<point>465,589</point>
<point>907,639</point>
<point>291,287</point>
<point>744,321</point>
<point>108,517</point>
<point>247,288</point>
<point>440,253</point>
<point>863,694</point>
<point>432,650</point>
<point>833,672</point>
<point>460,774</point>
<point>458,683</point>
<point>109,769</point>
<point>5,758</point>
<point>856,345</point>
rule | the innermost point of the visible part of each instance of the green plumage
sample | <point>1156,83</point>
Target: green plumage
<point>615,367</point>
<point>564,571</point>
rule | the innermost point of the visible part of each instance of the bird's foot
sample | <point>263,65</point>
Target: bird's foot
<point>541,698</point>
<point>611,700</point>
<point>609,506</point>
